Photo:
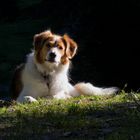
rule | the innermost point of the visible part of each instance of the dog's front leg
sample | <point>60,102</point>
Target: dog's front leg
<point>29,99</point>
<point>26,99</point>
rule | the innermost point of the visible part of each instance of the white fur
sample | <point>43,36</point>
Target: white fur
<point>34,85</point>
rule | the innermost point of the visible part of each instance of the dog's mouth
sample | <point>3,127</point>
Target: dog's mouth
<point>51,61</point>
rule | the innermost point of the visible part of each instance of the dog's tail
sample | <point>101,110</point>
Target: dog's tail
<point>89,89</point>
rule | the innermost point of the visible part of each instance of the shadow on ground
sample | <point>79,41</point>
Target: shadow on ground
<point>114,122</point>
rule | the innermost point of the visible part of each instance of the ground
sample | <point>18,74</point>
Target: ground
<point>93,117</point>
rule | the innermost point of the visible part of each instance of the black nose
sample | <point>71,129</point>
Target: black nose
<point>52,55</point>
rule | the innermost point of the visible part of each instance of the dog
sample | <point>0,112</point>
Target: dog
<point>45,72</point>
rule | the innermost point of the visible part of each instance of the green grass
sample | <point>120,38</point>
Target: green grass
<point>111,118</point>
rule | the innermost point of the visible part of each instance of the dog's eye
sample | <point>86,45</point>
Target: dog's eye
<point>60,47</point>
<point>48,45</point>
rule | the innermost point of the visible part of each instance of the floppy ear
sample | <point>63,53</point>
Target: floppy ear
<point>39,39</point>
<point>71,46</point>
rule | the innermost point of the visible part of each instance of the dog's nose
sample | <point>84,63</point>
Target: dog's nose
<point>52,55</point>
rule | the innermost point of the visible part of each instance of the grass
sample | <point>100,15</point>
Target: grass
<point>93,117</point>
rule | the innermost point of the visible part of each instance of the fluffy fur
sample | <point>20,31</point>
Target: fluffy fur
<point>45,73</point>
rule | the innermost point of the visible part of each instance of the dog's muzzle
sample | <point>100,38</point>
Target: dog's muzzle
<point>51,57</point>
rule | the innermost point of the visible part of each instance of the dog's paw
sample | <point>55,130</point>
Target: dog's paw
<point>29,99</point>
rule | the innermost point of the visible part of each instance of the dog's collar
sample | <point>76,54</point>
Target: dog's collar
<point>46,77</point>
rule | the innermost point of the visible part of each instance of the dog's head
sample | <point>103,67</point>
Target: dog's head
<point>54,49</point>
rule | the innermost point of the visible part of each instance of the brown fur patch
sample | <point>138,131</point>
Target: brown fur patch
<point>38,42</point>
<point>16,85</point>
<point>64,59</point>
<point>41,55</point>
<point>40,39</point>
<point>71,46</point>
<point>70,49</point>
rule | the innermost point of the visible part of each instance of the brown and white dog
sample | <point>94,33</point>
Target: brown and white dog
<point>45,73</point>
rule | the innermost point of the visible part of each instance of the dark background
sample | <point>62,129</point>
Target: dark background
<point>107,33</point>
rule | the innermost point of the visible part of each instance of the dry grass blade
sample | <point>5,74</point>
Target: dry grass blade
<point>135,98</point>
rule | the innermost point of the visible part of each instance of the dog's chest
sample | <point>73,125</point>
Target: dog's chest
<point>41,85</point>
<point>55,83</point>
<point>52,83</point>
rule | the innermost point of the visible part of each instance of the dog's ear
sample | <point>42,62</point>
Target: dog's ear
<point>71,46</point>
<point>40,38</point>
